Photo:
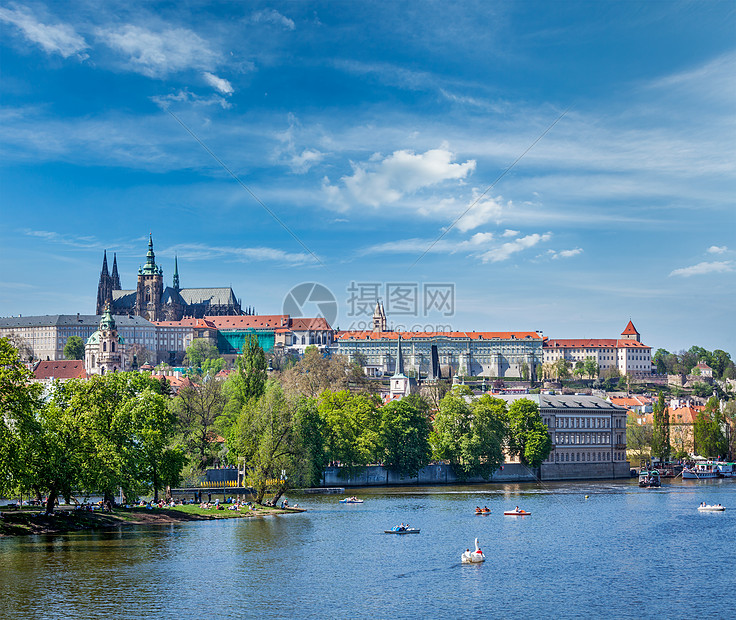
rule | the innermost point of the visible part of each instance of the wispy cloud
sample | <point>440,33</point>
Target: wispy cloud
<point>704,268</point>
<point>299,159</point>
<point>200,251</point>
<point>157,54</point>
<point>505,251</point>
<point>715,249</point>
<point>218,83</point>
<point>555,254</point>
<point>57,38</point>
<point>272,16</point>
<point>384,181</point>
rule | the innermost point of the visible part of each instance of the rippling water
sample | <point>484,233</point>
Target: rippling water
<point>624,552</point>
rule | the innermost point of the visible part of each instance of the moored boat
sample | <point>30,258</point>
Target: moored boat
<point>707,470</point>
<point>402,529</point>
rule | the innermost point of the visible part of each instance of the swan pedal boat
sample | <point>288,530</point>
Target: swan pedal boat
<point>406,530</point>
<point>473,557</point>
<point>348,500</point>
<point>517,513</point>
<point>710,508</point>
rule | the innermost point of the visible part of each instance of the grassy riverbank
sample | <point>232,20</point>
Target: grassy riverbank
<point>34,521</point>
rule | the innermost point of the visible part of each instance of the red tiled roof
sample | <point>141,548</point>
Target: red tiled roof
<point>593,343</point>
<point>263,321</point>
<point>174,381</point>
<point>703,366</point>
<point>60,369</point>
<point>204,323</point>
<point>683,415</point>
<point>188,322</point>
<point>626,401</point>
<point>630,330</point>
<point>304,324</point>
<point>370,335</point>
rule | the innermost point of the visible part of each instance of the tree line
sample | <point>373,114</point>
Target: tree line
<point>127,431</point>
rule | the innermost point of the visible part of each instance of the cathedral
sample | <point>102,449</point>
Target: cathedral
<point>155,302</point>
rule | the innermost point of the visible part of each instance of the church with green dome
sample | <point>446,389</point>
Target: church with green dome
<point>104,351</point>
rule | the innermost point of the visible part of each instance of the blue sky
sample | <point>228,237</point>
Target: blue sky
<point>367,129</point>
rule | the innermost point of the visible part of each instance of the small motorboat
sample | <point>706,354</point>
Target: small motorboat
<point>516,513</point>
<point>402,529</point>
<point>711,508</point>
<point>473,557</point>
<point>483,511</point>
<point>350,500</point>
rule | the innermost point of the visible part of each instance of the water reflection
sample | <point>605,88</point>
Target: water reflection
<point>573,556</point>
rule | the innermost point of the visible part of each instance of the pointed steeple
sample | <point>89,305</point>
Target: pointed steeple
<point>399,371</point>
<point>104,272</point>
<point>150,267</point>
<point>176,273</point>
<point>115,277</point>
<point>630,333</point>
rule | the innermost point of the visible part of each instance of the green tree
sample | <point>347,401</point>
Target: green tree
<point>525,371</point>
<point>198,407</point>
<point>528,437</point>
<point>74,348</point>
<point>470,439</point>
<point>315,373</point>
<point>154,424</point>
<point>404,435</point>
<point>638,438</point>
<point>661,447</point>
<point>708,431</point>
<point>579,368</point>
<point>352,424</point>
<point>20,399</point>
<point>199,351</point>
<point>591,367</point>
<point>702,389</point>
<point>562,368</point>
<point>660,360</point>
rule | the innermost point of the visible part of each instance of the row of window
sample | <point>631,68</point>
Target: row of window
<point>587,438</point>
<point>582,422</point>
<point>593,457</point>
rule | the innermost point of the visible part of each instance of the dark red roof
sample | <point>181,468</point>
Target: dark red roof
<point>60,369</point>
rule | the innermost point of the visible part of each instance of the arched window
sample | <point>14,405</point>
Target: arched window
<point>104,346</point>
<point>102,370</point>
<point>113,347</point>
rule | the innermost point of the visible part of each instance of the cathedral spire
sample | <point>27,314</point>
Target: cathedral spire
<point>115,277</point>
<point>176,273</point>
<point>104,272</point>
<point>150,267</point>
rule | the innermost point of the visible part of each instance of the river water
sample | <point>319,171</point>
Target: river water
<point>623,552</point>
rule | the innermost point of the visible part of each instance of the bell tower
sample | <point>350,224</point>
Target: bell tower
<point>150,288</point>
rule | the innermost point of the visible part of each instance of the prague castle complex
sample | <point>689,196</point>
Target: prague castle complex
<point>155,302</point>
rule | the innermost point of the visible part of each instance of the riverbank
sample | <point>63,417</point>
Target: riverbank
<point>32,521</point>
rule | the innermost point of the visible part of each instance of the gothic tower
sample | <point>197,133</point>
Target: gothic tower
<point>104,287</point>
<point>379,318</point>
<point>115,277</point>
<point>150,288</point>
<point>176,274</point>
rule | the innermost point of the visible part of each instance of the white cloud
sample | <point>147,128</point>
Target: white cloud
<point>704,268</point>
<point>510,233</point>
<point>200,251</point>
<point>506,250</point>
<point>156,54</point>
<point>218,83</point>
<point>299,162</point>
<point>59,39</point>
<point>163,101</point>
<point>380,182</point>
<point>484,211</point>
<point>714,249</point>
<point>272,16</point>
<point>566,253</point>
